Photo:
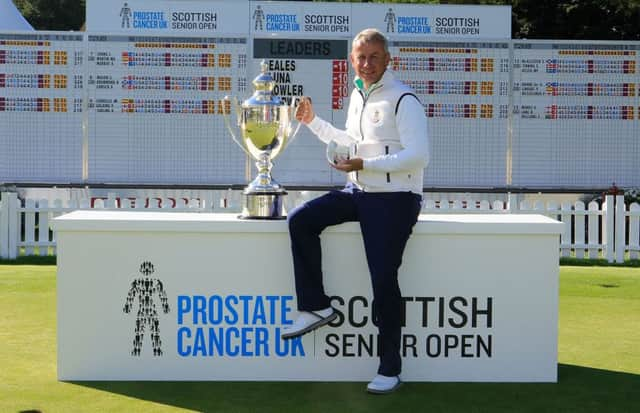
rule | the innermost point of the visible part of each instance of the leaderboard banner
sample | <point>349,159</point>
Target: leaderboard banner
<point>152,17</point>
<point>435,21</point>
<point>297,18</point>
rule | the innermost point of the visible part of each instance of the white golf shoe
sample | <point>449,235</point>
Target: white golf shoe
<point>383,384</point>
<point>308,321</point>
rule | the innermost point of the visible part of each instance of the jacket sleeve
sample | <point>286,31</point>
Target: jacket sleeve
<point>327,132</point>
<point>411,123</point>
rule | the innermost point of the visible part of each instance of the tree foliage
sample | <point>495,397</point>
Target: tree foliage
<point>53,14</point>
<point>577,19</point>
<point>532,19</point>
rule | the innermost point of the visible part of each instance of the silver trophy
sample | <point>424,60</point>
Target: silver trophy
<point>265,129</point>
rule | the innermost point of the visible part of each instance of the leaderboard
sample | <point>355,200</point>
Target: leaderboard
<point>575,114</point>
<point>41,89</point>
<point>116,108</point>
<point>317,68</point>
<point>156,105</point>
<point>464,87</point>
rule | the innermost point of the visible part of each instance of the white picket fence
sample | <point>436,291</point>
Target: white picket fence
<point>590,232</point>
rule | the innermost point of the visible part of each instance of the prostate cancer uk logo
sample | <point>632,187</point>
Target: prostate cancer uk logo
<point>247,325</point>
<point>443,25</point>
<point>141,19</point>
<point>235,325</point>
<point>143,290</point>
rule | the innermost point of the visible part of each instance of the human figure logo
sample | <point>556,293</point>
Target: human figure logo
<point>125,13</point>
<point>390,19</point>
<point>145,289</point>
<point>258,17</point>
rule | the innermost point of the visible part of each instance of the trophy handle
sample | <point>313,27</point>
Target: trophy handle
<point>292,115</point>
<point>233,102</point>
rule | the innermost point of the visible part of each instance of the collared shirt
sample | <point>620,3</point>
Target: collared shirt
<point>359,84</point>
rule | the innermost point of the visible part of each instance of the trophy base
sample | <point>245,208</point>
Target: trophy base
<point>263,205</point>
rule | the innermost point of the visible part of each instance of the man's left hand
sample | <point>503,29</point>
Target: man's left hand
<point>349,165</point>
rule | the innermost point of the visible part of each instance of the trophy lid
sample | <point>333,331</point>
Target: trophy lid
<point>263,85</point>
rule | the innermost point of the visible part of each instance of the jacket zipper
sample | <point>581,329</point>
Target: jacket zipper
<point>364,103</point>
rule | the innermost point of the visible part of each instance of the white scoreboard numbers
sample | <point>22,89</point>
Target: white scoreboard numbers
<point>138,99</point>
<point>575,114</point>
<point>41,96</point>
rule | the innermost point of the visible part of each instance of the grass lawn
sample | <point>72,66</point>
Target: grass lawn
<point>599,371</point>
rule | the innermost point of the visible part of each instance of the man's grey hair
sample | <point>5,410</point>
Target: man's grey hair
<point>371,36</point>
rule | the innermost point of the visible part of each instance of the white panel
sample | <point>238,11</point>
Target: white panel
<point>232,281</point>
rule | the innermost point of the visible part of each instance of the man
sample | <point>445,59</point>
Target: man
<point>386,131</point>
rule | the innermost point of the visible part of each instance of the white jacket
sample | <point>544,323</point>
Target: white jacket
<point>394,146</point>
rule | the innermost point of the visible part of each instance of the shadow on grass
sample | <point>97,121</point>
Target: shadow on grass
<point>579,389</point>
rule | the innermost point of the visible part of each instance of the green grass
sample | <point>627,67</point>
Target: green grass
<point>599,352</point>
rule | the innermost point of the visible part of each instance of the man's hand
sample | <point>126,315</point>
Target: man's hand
<point>349,165</point>
<point>304,111</point>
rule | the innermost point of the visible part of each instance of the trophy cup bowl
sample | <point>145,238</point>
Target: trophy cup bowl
<point>265,129</point>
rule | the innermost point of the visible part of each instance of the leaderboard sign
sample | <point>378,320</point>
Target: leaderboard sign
<point>139,99</point>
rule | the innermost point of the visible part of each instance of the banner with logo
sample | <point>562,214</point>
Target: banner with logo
<point>292,18</point>
<point>435,21</point>
<point>147,17</point>
<point>206,297</point>
<point>301,19</point>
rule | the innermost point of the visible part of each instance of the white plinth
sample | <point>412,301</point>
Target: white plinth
<point>481,296</point>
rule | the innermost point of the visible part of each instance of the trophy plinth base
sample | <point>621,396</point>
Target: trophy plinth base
<point>263,205</point>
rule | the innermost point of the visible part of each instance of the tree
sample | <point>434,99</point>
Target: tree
<point>53,14</point>
<point>577,19</point>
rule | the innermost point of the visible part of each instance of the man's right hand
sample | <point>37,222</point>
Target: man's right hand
<point>304,111</point>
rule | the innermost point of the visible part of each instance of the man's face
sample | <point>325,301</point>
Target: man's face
<point>369,60</point>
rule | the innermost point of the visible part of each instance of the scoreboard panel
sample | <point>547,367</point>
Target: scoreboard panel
<point>155,109</point>
<point>96,108</point>
<point>464,87</point>
<point>575,114</point>
<point>41,97</point>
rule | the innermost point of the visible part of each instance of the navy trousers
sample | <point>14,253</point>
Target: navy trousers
<point>386,221</point>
